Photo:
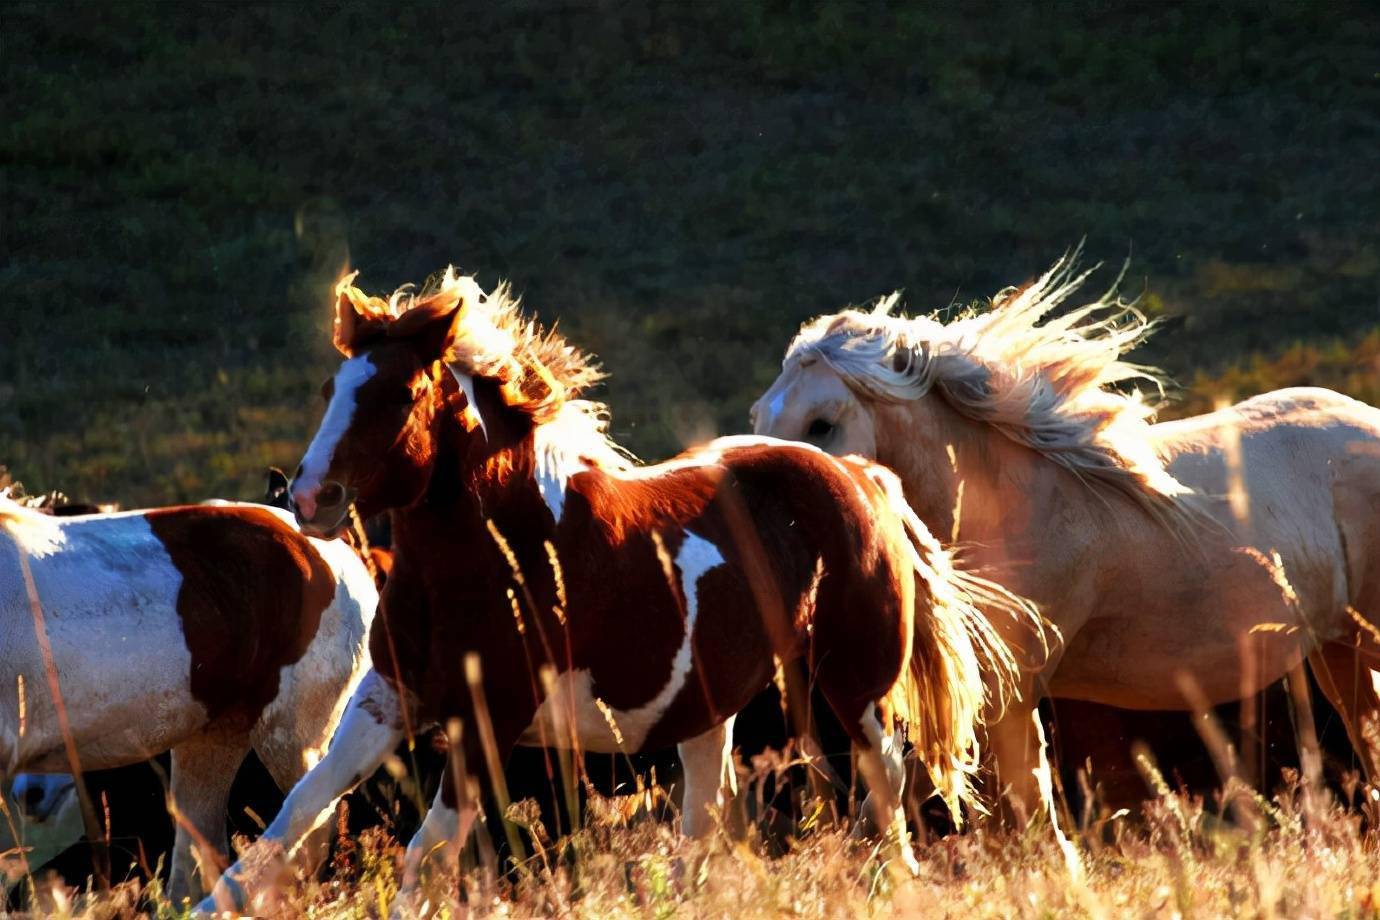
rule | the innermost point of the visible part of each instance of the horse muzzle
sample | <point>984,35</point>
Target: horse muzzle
<point>321,511</point>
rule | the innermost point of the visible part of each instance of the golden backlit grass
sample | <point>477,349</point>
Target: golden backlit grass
<point>1179,857</point>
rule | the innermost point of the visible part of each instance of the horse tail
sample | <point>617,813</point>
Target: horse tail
<point>956,664</point>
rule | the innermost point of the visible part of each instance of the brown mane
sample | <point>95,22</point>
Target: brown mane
<point>537,370</point>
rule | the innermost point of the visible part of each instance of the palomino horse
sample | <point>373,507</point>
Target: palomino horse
<point>607,607</point>
<point>1184,563</point>
<point>204,630</point>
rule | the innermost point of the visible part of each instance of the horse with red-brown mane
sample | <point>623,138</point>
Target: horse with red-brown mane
<point>600,605</point>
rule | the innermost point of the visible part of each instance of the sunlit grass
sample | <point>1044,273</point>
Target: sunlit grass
<point>1180,857</point>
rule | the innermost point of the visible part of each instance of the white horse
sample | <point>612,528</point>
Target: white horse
<point>1184,563</point>
<point>204,630</point>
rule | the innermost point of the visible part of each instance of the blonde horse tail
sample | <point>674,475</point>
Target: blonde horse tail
<point>957,664</point>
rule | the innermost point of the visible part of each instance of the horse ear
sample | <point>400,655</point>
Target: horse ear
<point>275,492</point>
<point>346,320</point>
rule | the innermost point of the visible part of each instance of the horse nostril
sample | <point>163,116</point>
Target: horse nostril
<point>331,494</point>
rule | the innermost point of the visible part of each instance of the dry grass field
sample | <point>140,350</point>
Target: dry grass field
<point>682,184</point>
<point>1309,855</point>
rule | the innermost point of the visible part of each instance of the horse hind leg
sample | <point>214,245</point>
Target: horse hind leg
<point>1348,670</point>
<point>203,768</point>
<point>1348,673</point>
<point>711,778</point>
<point>883,769</point>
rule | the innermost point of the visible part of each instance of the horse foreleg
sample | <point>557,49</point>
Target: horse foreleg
<point>371,728</point>
<point>711,780</point>
<point>437,844</point>
<point>284,747</point>
<point>1346,672</point>
<point>203,768</point>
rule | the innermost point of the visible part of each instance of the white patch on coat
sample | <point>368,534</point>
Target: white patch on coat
<point>438,841</point>
<point>554,469</point>
<point>711,778</point>
<point>353,374</point>
<point>313,691</point>
<point>571,704</point>
<point>466,382</point>
<point>109,602</point>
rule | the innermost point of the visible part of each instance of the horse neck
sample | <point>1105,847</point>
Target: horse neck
<point>476,479</point>
<point>1001,500</point>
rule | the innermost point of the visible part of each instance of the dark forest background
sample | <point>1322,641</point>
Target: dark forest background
<point>679,184</point>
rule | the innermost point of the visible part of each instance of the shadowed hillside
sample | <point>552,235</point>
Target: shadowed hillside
<point>679,184</point>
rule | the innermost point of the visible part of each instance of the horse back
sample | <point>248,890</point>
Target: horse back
<point>1294,472</point>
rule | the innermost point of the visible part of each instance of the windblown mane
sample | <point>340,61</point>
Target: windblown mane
<point>538,371</point>
<point>1047,385</point>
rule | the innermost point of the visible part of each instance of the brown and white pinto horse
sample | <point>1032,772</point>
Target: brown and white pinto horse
<point>662,597</point>
<point>206,630</point>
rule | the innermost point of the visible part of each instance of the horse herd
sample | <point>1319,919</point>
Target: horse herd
<point>935,526</point>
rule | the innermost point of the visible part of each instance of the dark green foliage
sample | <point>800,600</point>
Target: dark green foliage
<point>681,184</point>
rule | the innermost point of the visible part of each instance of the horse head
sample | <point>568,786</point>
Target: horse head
<point>452,369</point>
<point>385,404</point>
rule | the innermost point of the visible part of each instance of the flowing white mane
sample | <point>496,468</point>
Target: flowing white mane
<point>1047,385</point>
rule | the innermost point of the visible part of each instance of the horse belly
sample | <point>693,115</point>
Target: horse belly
<point>572,716</point>
<point>1230,626</point>
<point>1104,664</point>
<point>122,666</point>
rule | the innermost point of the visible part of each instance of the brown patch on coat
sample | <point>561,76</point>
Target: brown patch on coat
<point>252,594</point>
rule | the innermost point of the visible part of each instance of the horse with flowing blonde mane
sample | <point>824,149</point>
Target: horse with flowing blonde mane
<point>533,550</point>
<point>1183,563</point>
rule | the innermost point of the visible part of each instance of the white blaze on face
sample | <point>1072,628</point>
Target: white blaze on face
<point>353,374</point>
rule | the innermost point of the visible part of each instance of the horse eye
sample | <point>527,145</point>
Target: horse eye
<point>819,429</point>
